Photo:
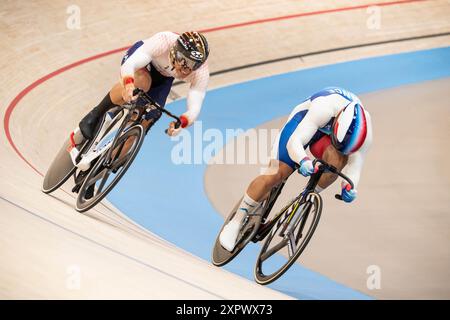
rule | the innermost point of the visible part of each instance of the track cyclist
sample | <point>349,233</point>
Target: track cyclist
<point>335,126</point>
<point>152,65</point>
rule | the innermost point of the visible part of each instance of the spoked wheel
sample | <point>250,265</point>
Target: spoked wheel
<point>289,237</point>
<point>221,256</point>
<point>105,174</point>
<point>61,168</point>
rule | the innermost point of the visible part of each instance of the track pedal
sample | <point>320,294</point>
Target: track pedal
<point>76,188</point>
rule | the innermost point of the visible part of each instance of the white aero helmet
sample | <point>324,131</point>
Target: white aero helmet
<point>349,128</point>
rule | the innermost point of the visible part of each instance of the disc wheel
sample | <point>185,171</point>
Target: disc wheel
<point>221,256</point>
<point>61,168</point>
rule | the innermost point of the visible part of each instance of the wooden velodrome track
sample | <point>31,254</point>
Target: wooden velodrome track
<point>44,243</point>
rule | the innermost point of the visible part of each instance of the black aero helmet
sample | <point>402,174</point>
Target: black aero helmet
<point>191,50</point>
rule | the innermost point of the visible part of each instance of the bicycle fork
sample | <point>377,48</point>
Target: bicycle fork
<point>287,232</point>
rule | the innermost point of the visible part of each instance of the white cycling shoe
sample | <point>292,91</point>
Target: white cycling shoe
<point>229,235</point>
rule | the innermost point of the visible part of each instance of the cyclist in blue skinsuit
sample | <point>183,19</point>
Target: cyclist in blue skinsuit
<point>335,126</point>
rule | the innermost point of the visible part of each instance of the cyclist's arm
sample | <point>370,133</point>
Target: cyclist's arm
<point>142,56</point>
<point>318,115</point>
<point>195,96</point>
<point>356,160</point>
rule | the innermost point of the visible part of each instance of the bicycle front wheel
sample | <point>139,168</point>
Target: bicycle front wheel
<point>289,237</point>
<point>101,178</point>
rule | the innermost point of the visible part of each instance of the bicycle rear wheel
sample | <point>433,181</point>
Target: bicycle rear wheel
<point>249,230</point>
<point>61,168</point>
<point>103,178</point>
<point>221,256</point>
<point>289,237</point>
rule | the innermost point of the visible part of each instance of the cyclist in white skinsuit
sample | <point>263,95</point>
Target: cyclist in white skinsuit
<point>152,65</point>
<point>335,127</point>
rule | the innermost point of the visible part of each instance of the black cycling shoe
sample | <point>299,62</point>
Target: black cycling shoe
<point>89,124</point>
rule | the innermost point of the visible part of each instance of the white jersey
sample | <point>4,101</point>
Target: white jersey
<point>316,116</point>
<point>156,50</point>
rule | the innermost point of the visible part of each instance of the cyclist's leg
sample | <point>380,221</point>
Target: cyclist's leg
<point>260,187</point>
<point>336,159</point>
<point>280,168</point>
<point>323,149</point>
<point>89,124</point>
<point>281,165</point>
<point>142,80</point>
<point>158,88</point>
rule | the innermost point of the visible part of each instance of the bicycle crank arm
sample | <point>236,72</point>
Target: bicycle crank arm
<point>86,160</point>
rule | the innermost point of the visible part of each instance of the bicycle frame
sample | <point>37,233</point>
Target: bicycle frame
<point>128,108</point>
<point>125,114</point>
<point>266,226</point>
<point>125,121</point>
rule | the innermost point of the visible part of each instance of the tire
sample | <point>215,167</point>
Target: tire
<point>313,212</point>
<point>62,166</point>
<point>60,169</point>
<point>84,204</point>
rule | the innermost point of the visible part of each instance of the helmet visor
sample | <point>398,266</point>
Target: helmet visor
<point>186,62</point>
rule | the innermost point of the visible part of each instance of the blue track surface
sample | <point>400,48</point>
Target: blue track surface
<point>170,200</point>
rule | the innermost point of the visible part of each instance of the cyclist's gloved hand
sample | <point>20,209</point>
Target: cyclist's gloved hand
<point>127,91</point>
<point>171,131</point>
<point>348,194</point>
<point>306,167</point>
